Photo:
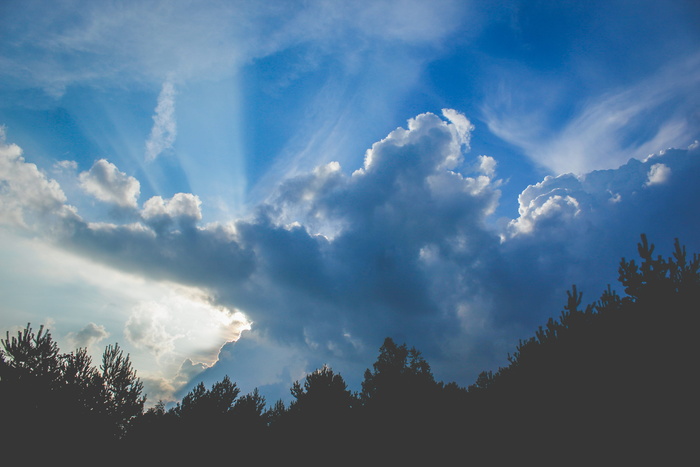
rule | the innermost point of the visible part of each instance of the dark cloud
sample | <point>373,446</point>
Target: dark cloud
<point>335,261</point>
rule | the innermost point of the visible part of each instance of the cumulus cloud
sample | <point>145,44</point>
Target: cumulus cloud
<point>25,190</point>
<point>89,336</point>
<point>408,253</point>
<point>337,260</point>
<point>462,125</point>
<point>164,129</point>
<point>105,182</point>
<point>184,208</point>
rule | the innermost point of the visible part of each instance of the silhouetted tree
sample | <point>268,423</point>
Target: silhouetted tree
<point>612,378</point>
<point>60,401</point>
<point>248,414</point>
<point>400,376</point>
<point>323,396</point>
<point>275,413</point>
<point>201,402</point>
<point>122,388</point>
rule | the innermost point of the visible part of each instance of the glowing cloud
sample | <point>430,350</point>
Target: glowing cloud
<point>658,173</point>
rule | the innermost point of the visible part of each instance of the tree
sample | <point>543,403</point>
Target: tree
<point>400,377</point>
<point>30,383</point>
<point>324,395</point>
<point>203,403</point>
<point>275,413</point>
<point>122,388</point>
<point>616,377</point>
<point>248,420</point>
<point>250,407</point>
<point>30,355</point>
<point>61,401</point>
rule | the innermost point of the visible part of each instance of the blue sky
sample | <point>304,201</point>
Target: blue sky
<point>258,190</point>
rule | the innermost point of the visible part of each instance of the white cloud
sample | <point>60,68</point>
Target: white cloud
<point>164,129</point>
<point>552,198</point>
<point>66,165</point>
<point>184,208</point>
<point>605,130</point>
<point>487,165</point>
<point>25,190</point>
<point>185,332</point>
<point>658,173</point>
<point>105,182</point>
<point>159,39</point>
<point>146,328</point>
<point>547,209</point>
<point>462,125</point>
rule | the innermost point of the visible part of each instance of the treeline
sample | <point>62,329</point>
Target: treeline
<point>612,382</point>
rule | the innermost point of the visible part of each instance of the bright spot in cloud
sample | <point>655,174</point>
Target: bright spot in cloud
<point>184,323</point>
<point>658,173</point>
<point>148,318</point>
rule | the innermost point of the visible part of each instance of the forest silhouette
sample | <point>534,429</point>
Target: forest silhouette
<point>611,382</point>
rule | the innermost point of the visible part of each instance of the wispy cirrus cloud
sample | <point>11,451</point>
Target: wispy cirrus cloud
<point>605,130</point>
<point>164,129</point>
<point>74,42</point>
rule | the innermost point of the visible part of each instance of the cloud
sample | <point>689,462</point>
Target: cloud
<point>164,129</point>
<point>604,130</point>
<point>66,165</point>
<point>658,173</point>
<point>402,246</point>
<point>146,328</point>
<point>74,43</point>
<point>89,336</point>
<point>185,323</point>
<point>184,332</point>
<point>183,208</point>
<point>25,191</point>
<point>105,182</point>
<point>461,124</point>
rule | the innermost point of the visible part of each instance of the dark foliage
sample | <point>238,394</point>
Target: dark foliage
<point>61,402</point>
<point>608,383</point>
<point>612,382</point>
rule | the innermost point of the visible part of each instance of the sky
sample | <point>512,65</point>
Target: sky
<point>256,189</point>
